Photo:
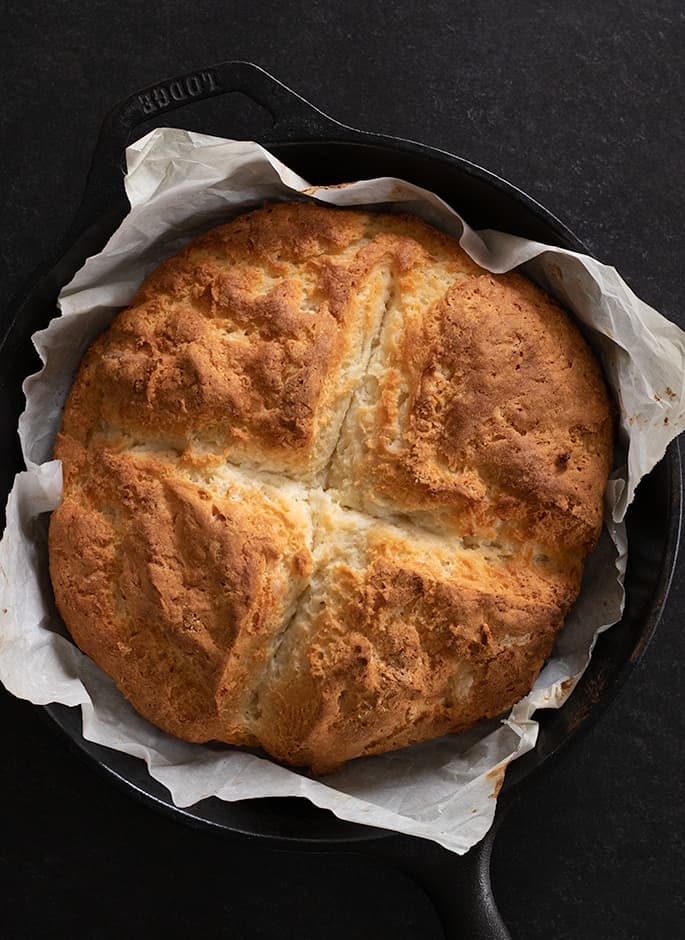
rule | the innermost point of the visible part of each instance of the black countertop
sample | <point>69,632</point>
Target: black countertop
<point>583,107</point>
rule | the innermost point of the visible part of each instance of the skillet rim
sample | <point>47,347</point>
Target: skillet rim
<point>344,832</point>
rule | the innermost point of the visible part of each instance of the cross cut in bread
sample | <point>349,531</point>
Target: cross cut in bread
<point>328,486</point>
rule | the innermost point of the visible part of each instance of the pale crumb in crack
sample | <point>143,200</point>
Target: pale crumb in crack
<point>223,477</point>
<point>459,683</point>
<point>235,336</point>
<point>424,524</point>
<point>347,535</point>
<point>509,642</point>
<point>379,281</point>
<point>332,525</point>
<point>253,710</point>
<point>390,301</point>
<point>198,448</point>
<point>161,450</point>
<point>351,250</point>
<point>406,308</point>
<point>263,284</point>
<point>326,519</point>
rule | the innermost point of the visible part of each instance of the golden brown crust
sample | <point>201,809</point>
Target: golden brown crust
<point>452,436</point>
<point>487,411</point>
<point>249,343</point>
<point>178,589</point>
<point>403,636</point>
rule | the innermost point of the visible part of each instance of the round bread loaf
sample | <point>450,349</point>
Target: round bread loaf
<point>328,486</point>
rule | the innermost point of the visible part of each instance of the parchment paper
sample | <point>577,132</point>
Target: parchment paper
<point>180,183</point>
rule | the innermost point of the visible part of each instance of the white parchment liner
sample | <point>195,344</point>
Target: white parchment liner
<point>180,183</point>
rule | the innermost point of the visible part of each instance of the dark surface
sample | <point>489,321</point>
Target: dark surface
<point>583,110</point>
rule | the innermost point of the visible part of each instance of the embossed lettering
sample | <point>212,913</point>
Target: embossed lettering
<point>161,97</point>
<point>194,85</point>
<point>176,91</point>
<point>210,80</point>
<point>147,104</point>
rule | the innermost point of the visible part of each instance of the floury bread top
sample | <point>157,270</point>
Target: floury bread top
<point>329,486</point>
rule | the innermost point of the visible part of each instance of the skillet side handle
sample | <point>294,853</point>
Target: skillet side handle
<point>293,118</point>
<point>458,885</point>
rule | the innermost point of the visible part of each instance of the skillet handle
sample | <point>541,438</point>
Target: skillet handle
<point>293,118</point>
<point>458,886</point>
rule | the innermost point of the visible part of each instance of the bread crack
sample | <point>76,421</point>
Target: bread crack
<point>390,302</point>
<point>253,709</point>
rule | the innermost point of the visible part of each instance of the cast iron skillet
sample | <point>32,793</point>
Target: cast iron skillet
<point>324,151</point>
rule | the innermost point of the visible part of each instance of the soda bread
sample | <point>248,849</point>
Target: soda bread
<point>328,486</point>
